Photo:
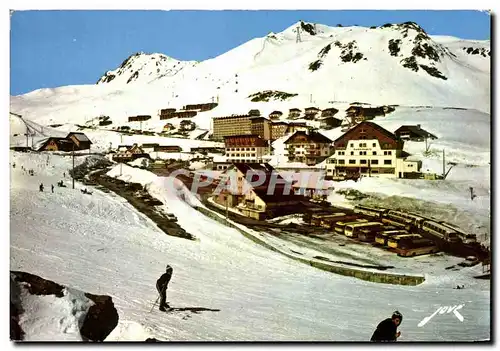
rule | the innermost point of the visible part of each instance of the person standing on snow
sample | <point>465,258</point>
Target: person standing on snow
<point>387,329</point>
<point>52,187</point>
<point>41,187</point>
<point>161,286</point>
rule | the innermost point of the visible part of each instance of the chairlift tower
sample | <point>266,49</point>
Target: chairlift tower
<point>298,35</point>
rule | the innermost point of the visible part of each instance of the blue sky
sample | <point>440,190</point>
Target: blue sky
<point>57,48</point>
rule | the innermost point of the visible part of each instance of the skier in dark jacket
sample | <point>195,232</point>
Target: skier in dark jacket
<point>161,286</point>
<point>387,329</point>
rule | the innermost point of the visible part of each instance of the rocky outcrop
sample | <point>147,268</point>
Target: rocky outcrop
<point>100,319</point>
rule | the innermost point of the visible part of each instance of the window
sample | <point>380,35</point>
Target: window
<point>387,153</point>
<point>363,162</point>
<point>410,165</point>
<point>374,171</point>
<point>374,162</point>
<point>387,162</point>
<point>363,145</point>
<point>253,149</point>
<point>352,153</point>
<point>352,162</point>
<point>374,144</point>
<point>352,144</point>
<point>341,162</point>
<point>374,152</point>
<point>363,153</point>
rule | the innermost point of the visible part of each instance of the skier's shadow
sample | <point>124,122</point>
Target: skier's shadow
<point>191,309</point>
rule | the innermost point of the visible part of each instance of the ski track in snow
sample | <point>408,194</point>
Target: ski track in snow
<point>95,244</point>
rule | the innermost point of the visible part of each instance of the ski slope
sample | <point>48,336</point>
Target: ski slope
<point>99,243</point>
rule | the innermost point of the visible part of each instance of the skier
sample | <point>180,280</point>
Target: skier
<point>387,329</point>
<point>41,187</point>
<point>161,286</point>
<point>52,187</point>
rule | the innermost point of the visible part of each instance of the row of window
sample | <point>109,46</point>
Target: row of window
<point>371,171</point>
<point>364,144</point>
<point>363,153</point>
<point>238,149</point>
<point>363,162</point>
<point>245,161</point>
<point>242,155</point>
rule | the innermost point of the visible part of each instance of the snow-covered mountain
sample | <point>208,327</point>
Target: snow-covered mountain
<point>405,65</point>
<point>142,67</point>
<point>393,64</point>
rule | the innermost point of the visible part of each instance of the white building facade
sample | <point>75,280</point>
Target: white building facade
<point>369,150</point>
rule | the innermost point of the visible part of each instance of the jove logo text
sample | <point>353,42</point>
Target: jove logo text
<point>443,310</point>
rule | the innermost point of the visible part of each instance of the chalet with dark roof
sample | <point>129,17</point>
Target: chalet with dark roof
<point>294,113</point>
<point>275,115</point>
<point>258,191</point>
<point>81,141</point>
<point>413,133</point>
<point>127,154</point>
<point>56,144</point>
<point>310,148</point>
<point>370,150</point>
<point>329,112</point>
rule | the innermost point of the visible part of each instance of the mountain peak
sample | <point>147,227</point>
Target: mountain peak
<point>144,66</point>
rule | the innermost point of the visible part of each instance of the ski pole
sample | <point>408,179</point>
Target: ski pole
<point>155,303</point>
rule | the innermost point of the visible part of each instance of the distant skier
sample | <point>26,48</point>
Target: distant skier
<point>41,187</point>
<point>387,329</point>
<point>161,286</point>
<point>52,188</point>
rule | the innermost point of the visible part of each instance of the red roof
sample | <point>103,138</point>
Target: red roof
<point>245,140</point>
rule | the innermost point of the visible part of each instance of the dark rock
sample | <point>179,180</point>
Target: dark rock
<point>307,27</point>
<point>37,285</point>
<point>394,46</point>
<point>313,66</point>
<point>101,318</point>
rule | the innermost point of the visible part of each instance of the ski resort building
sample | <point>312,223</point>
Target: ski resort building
<point>297,127</point>
<point>81,141</point>
<point>56,144</point>
<point>278,130</point>
<point>294,113</point>
<point>275,115</point>
<point>126,153</point>
<point>372,151</point>
<point>261,126</point>
<point>413,133</point>
<point>246,148</point>
<point>274,196</point>
<point>74,141</point>
<point>308,147</point>
<point>232,125</point>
